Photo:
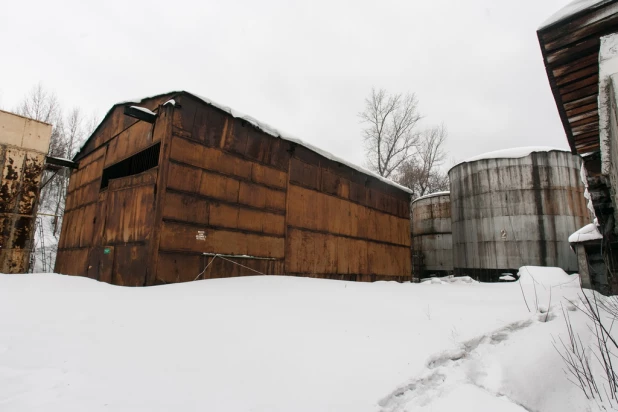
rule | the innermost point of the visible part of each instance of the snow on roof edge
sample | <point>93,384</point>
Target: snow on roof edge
<point>513,153</point>
<point>430,195</point>
<point>570,10</point>
<point>586,233</point>
<point>266,128</point>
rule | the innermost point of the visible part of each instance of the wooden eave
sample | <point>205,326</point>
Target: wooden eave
<point>571,55</point>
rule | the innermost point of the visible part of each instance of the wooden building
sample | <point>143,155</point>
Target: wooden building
<point>24,144</point>
<point>570,42</point>
<point>580,59</point>
<point>167,183</point>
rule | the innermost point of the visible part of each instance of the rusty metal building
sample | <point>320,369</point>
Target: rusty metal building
<point>515,208</point>
<point>431,235</point>
<point>166,183</point>
<point>23,147</point>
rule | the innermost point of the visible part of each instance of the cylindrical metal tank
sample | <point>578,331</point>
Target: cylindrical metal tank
<point>432,250</point>
<point>516,207</point>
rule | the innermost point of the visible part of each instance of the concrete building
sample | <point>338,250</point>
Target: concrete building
<point>23,148</point>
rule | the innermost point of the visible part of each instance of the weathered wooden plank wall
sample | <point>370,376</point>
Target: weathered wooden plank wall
<point>106,232</point>
<point>224,187</point>
<point>248,193</point>
<point>343,224</point>
<point>225,194</point>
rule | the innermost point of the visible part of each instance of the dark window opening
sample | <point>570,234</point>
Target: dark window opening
<point>136,164</point>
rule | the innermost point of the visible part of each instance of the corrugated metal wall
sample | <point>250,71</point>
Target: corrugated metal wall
<point>432,237</point>
<point>507,213</point>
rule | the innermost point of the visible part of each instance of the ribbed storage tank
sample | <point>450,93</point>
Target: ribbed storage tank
<point>432,247</point>
<point>516,207</point>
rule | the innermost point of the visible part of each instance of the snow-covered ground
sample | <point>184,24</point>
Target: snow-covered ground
<point>286,344</point>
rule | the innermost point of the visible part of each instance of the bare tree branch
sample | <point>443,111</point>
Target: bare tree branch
<point>68,132</point>
<point>421,172</point>
<point>390,129</point>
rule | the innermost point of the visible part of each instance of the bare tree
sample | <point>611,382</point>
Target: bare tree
<point>421,172</point>
<point>600,383</point>
<point>40,105</point>
<point>390,132</point>
<point>68,132</point>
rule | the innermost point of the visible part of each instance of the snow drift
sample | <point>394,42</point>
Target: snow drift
<point>279,344</point>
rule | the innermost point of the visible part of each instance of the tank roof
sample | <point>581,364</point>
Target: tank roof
<point>571,9</point>
<point>513,153</point>
<point>435,194</point>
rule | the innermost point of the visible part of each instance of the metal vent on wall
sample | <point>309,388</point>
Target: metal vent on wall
<point>136,164</point>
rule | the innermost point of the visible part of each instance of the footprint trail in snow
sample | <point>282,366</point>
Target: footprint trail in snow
<point>461,375</point>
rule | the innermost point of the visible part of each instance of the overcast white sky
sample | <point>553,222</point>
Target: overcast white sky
<point>304,67</point>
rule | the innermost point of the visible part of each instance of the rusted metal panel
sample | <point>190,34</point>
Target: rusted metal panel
<point>304,174</point>
<point>72,262</point>
<point>323,179</point>
<point>100,263</point>
<point>196,121</point>
<point>182,267</point>
<point>208,212</point>
<point>185,207</point>
<point>280,154</point>
<point>184,237</point>
<point>237,136</point>
<point>115,122</point>
<point>219,187</point>
<point>268,176</point>
<point>322,212</point>
<point>341,255</point>
<point>258,145</point>
<point>129,214</point>
<point>184,178</point>
<point>211,159</point>
<point>130,264</point>
<point>88,219</point>
<point>99,222</point>
<point>261,197</point>
<point>130,141</point>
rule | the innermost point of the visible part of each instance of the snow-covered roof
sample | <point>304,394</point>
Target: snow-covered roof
<point>572,9</point>
<point>514,153</point>
<point>586,233</point>
<point>435,194</point>
<point>268,129</point>
<point>143,109</point>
